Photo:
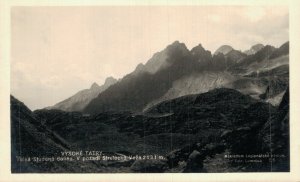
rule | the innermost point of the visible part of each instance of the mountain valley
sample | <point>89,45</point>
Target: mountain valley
<point>191,107</point>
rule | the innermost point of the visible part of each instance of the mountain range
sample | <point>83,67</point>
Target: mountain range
<point>176,72</point>
<point>190,106</point>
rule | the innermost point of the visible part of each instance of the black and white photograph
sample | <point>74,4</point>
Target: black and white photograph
<point>150,89</point>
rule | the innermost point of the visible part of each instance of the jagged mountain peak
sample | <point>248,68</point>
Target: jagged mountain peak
<point>257,47</point>
<point>267,48</point>
<point>224,49</point>
<point>139,68</point>
<point>201,54</point>
<point>94,86</point>
<point>110,80</point>
<point>199,49</point>
<point>161,60</point>
<point>176,46</point>
<point>177,43</point>
<point>254,49</point>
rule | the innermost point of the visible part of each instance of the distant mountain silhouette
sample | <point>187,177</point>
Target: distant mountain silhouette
<point>81,99</point>
<point>254,49</point>
<point>224,49</point>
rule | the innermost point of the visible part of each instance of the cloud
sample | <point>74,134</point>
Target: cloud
<point>255,14</point>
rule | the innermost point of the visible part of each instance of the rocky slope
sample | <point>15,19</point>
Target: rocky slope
<point>192,132</point>
<point>263,75</point>
<point>194,84</point>
<point>31,138</point>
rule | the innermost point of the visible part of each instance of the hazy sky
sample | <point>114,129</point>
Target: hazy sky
<point>57,51</point>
